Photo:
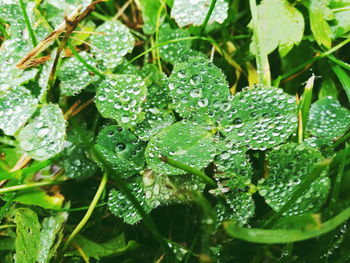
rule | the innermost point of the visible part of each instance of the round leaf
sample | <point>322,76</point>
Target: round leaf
<point>44,136</point>
<point>199,89</point>
<point>288,165</point>
<point>185,142</point>
<point>120,98</point>
<point>110,47</point>
<point>261,118</point>
<point>16,106</point>
<point>122,149</point>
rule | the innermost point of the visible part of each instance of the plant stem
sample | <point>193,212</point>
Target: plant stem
<point>82,60</point>
<point>26,186</point>
<point>27,22</point>
<point>342,139</point>
<point>314,59</point>
<point>207,17</point>
<point>337,183</point>
<point>298,192</point>
<point>88,214</point>
<point>190,170</point>
<point>262,62</point>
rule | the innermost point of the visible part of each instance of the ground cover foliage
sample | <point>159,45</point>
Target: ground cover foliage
<point>174,131</point>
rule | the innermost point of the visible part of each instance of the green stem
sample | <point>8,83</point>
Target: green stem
<point>87,65</point>
<point>27,186</point>
<point>298,192</point>
<point>337,183</point>
<point>314,59</point>
<point>88,214</point>
<point>262,62</point>
<point>101,17</point>
<point>305,107</point>
<point>341,140</point>
<point>97,153</point>
<point>190,170</point>
<point>206,20</point>
<point>27,22</point>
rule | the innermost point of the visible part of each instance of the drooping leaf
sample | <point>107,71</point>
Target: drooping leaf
<point>74,76</point>
<point>113,247</point>
<point>51,236</point>
<point>113,44</point>
<point>199,90</point>
<point>319,14</point>
<point>328,120</point>
<point>189,143</point>
<point>49,128</point>
<point>194,12</point>
<point>28,235</point>
<point>120,98</point>
<point>122,149</point>
<point>16,106</point>
<point>150,9</point>
<point>288,166</point>
<point>285,30</point>
<point>260,118</point>
<point>121,207</point>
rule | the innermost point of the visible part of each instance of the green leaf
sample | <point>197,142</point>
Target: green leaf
<point>288,166</point>
<point>121,207</point>
<point>173,52</point>
<point>328,120</point>
<point>74,76</point>
<point>49,128</point>
<point>10,53</point>
<point>260,118</point>
<point>28,235</point>
<point>150,9</point>
<point>109,48</point>
<point>122,149</point>
<point>285,30</point>
<point>120,98</point>
<point>51,236</point>
<point>341,16</point>
<point>16,106</point>
<point>11,12</point>
<point>319,14</point>
<point>194,12</point>
<point>155,120</point>
<point>232,160</point>
<point>276,236</point>
<point>189,143</point>
<point>166,190</point>
<point>199,89</point>
<point>113,247</point>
